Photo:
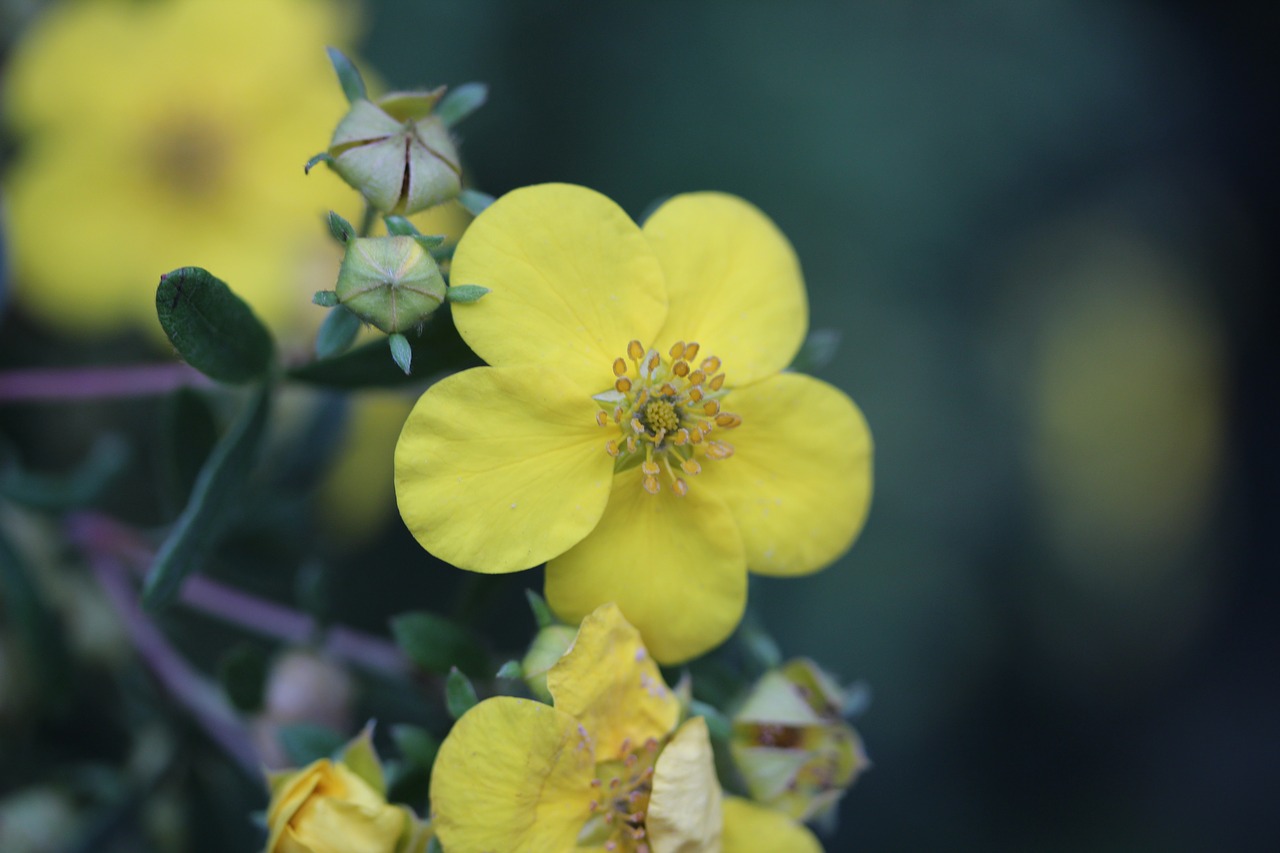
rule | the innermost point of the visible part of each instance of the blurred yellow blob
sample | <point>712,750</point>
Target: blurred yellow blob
<point>165,134</point>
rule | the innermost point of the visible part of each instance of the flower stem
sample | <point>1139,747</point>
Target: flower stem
<point>92,383</point>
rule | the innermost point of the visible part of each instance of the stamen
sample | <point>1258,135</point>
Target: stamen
<point>727,420</point>
<point>711,408</point>
<point>695,394</point>
<point>651,485</point>
<point>690,351</point>
<point>631,444</point>
<point>697,377</point>
<point>650,467</point>
<point>680,368</point>
<point>635,349</point>
<point>636,425</point>
<point>602,419</point>
<point>677,349</point>
<point>682,437</point>
<point>611,447</point>
<point>623,384</point>
<point>680,487</point>
<point>710,364</point>
<point>654,361</point>
<point>619,367</point>
<point>691,466</point>
<point>668,390</point>
<point>719,450</point>
<point>716,382</point>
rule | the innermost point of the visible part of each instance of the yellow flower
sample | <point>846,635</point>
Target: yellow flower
<point>165,134</point>
<point>635,428</point>
<point>340,807</point>
<point>607,768</point>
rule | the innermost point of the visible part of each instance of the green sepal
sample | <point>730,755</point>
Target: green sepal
<point>718,725</point>
<point>464,293</point>
<point>322,157</point>
<point>400,226</point>
<point>304,743</point>
<point>817,351</point>
<point>107,458</point>
<point>510,670</point>
<point>437,349</point>
<point>401,352</point>
<point>475,201</point>
<point>462,102</point>
<point>243,675</point>
<point>213,330</point>
<point>325,298</point>
<point>417,746</point>
<point>541,611</point>
<point>217,491</point>
<point>459,693</point>
<point>429,242</point>
<point>352,83</point>
<point>438,644</point>
<point>337,333</point>
<point>340,228</point>
<point>362,759</point>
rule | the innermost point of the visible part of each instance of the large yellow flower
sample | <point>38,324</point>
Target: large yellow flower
<point>606,769</point>
<point>635,427</point>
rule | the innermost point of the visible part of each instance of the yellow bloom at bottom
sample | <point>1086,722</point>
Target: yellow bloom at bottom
<point>606,769</point>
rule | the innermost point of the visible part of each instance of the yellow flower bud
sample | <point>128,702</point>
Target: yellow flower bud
<point>794,750</point>
<point>326,808</point>
<point>397,152</point>
<point>392,283</point>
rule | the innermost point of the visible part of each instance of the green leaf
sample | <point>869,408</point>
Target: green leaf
<point>348,76</point>
<point>817,351</point>
<point>475,201</point>
<point>213,329</point>
<point>340,228</point>
<point>418,746</point>
<point>399,226</point>
<point>541,612</point>
<point>437,644</point>
<point>108,457</point>
<point>188,433</point>
<point>462,102</point>
<point>459,694</point>
<point>36,630</point>
<point>401,352</point>
<point>465,293</point>
<point>337,333</point>
<point>325,298</point>
<point>243,674</point>
<point>322,157</point>
<point>307,742</point>
<point>217,490</point>
<point>438,349</point>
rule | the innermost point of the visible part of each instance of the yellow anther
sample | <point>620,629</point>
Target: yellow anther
<point>651,484</point>
<point>682,437</point>
<point>654,361</point>
<point>602,419</point>
<point>677,349</point>
<point>716,382</point>
<point>659,436</point>
<point>650,467</point>
<point>635,349</point>
<point>623,384</point>
<point>691,466</point>
<point>719,450</point>
<point>710,364</point>
<point>631,444</point>
<point>695,437</point>
<point>636,425</point>
<point>712,407</point>
<point>668,390</point>
<point>727,420</point>
<point>680,487</point>
<point>619,367</point>
<point>611,447</point>
<point>697,377</point>
<point>691,351</point>
<point>695,394</point>
<point>680,368</point>
<point>617,415</point>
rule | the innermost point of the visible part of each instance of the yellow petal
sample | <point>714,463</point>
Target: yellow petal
<point>572,281</point>
<point>685,807</point>
<point>513,775</point>
<point>337,826</point>
<point>500,469</point>
<point>610,684</point>
<point>733,282</point>
<point>674,566</point>
<point>799,481</point>
<point>749,828</point>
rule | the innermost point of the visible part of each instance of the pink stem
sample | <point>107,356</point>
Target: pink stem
<point>91,383</point>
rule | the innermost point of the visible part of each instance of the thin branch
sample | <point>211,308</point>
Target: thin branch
<point>96,383</point>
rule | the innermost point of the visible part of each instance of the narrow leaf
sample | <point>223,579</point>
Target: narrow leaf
<point>401,351</point>
<point>399,226</point>
<point>541,612</point>
<point>348,76</point>
<point>306,742</point>
<point>475,201</point>
<point>437,644</point>
<point>465,293</point>
<point>216,491</point>
<point>462,102</point>
<point>337,333</point>
<point>459,694</point>
<point>429,242</point>
<point>213,329</point>
<point>340,228</point>
<point>322,157</point>
<point>438,349</point>
<point>188,433</point>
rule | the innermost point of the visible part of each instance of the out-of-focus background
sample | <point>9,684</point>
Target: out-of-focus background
<point>1043,231</point>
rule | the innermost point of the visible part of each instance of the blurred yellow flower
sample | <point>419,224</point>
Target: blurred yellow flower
<point>607,768</point>
<point>606,437</point>
<point>340,807</point>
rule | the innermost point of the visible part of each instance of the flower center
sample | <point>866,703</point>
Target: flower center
<point>190,158</point>
<point>665,410</point>
<point>620,801</point>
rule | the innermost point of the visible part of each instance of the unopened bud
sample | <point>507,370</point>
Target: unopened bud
<point>392,283</point>
<point>547,648</point>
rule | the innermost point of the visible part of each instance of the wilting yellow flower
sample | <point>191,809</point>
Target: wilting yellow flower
<point>340,807</point>
<point>635,428</point>
<point>791,743</point>
<point>166,134</point>
<point>607,768</point>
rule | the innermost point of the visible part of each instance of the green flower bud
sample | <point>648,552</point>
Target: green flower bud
<point>397,152</point>
<point>392,283</point>
<point>547,648</point>
<point>794,750</point>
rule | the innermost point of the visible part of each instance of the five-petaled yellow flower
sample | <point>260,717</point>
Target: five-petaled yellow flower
<point>607,769</point>
<point>635,428</point>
